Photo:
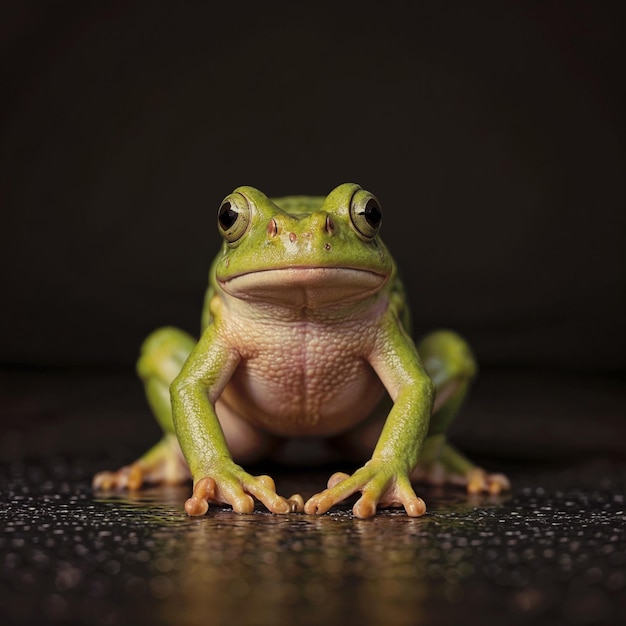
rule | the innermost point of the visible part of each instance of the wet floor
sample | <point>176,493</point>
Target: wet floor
<point>552,552</point>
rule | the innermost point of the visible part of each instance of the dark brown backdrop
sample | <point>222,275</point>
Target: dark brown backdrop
<point>492,133</point>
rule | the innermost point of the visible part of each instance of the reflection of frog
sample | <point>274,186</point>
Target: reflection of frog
<point>304,327</point>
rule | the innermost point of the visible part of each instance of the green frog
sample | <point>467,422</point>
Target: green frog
<point>305,333</point>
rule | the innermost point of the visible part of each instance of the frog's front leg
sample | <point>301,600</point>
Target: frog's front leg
<point>385,479</point>
<point>217,478</point>
<point>450,363</point>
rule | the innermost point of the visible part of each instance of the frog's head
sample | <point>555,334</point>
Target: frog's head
<point>302,251</point>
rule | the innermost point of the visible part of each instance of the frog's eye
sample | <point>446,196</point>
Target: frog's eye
<point>233,217</point>
<point>365,214</point>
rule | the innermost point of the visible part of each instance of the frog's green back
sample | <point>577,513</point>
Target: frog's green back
<point>299,204</point>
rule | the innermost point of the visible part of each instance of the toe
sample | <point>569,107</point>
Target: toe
<point>476,481</point>
<point>497,483</point>
<point>134,478</point>
<point>263,489</point>
<point>318,504</point>
<point>296,502</point>
<point>203,491</point>
<point>104,481</point>
<point>336,478</point>
<point>415,507</point>
<point>365,507</point>
<point>243,503</point>
<point>279,505</point>
<point>267,482</point>
<point>196,506</point>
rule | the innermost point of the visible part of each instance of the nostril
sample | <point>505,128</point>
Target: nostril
<point>292,237</point>
<point>330,225</point>
<point>272,228</point>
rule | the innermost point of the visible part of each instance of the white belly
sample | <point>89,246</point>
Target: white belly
<point>305,378</point>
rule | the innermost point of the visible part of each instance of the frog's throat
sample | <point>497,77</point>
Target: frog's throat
<point>305,286</point>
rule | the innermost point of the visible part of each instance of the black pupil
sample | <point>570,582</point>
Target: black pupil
<point>227,217</point>
<point>372,213</point>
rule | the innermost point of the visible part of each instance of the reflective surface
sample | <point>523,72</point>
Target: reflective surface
<point>554,551</point>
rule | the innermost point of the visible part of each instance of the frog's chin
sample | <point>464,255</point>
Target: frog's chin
<point>300,287</point>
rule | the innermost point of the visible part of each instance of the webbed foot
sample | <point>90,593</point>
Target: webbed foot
<point>480,481</point>
<point>441,464</point>
<point>231,485</point>
<point>162,464</point>
<point>129,477</point>
<point>476,480</point>
<point>381,486</point>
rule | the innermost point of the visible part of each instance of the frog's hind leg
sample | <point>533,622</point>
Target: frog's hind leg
<point>162,356</point>
<point>451,365</point>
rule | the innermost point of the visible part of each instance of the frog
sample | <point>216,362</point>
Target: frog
<point>305,333</point>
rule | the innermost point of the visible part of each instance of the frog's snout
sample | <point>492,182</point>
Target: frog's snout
<point>329,225</point>
<point>317,222</point>
<point>272,228</point>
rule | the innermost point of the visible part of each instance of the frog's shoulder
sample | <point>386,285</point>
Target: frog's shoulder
<point>212,289</point>
<point>398,303</point>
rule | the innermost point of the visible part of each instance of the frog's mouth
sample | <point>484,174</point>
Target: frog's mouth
<point>300,287</point>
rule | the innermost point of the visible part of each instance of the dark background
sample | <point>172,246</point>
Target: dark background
<point>492,133</point>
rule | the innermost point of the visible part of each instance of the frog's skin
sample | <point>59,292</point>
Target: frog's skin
<point>304,334</point>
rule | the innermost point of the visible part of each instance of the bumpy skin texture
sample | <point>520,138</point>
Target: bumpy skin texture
<point>304,333</point>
